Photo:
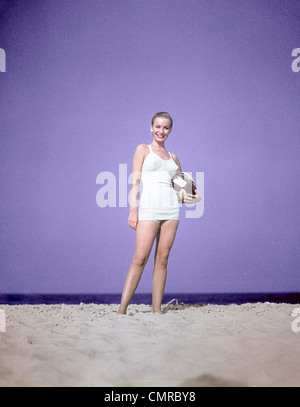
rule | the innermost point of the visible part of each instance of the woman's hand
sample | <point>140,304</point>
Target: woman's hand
<point>133,219</point>
<point>191,199</point>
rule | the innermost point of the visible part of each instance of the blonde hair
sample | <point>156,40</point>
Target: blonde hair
<point>162,114</point>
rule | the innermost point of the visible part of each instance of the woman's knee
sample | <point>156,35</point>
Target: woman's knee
<point>162,257</point>
<point>140,260</point>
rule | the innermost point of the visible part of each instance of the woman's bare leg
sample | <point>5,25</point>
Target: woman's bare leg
<point>146,232</point>
<point>164,244</point>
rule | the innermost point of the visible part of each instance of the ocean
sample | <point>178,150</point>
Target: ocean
<point>186,298</point>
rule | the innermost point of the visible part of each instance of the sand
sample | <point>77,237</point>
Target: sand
<point>208,345</point>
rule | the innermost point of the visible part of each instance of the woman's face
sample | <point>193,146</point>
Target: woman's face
<point>160,129</point>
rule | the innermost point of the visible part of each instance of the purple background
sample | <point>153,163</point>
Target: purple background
<point>82,83</point>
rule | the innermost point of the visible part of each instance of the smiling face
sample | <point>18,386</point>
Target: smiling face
<point>160,129</point>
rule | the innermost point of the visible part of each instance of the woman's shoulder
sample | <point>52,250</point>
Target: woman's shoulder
<point>174,156</point>
<point>141,149</point>
<point>141,152</point>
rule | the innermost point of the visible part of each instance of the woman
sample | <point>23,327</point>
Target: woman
<point>158,213</point>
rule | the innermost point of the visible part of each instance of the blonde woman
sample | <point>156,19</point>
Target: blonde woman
<point>158,214</point>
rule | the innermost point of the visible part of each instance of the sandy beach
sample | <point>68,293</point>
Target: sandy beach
<point>190,345</point>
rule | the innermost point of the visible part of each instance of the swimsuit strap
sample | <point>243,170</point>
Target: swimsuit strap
<point>150,148</point>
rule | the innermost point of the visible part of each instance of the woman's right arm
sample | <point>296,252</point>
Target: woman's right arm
<point>137,164</point>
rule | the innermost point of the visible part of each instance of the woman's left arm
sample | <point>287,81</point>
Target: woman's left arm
<point>191,198</point>
<point>175,158</point>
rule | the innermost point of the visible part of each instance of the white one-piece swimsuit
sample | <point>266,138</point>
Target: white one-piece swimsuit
<point>158,199</point>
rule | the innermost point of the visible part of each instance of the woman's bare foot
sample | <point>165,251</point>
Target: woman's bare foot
<point>157,312</point>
